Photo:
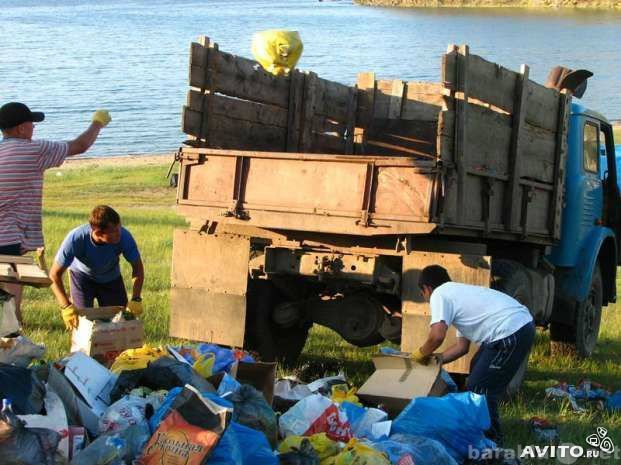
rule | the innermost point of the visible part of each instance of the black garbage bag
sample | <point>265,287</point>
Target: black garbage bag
<point>26,446</point>
<point>305,455</point>
<point>164,373</point>
<point>112,448</point>
<point>252,410</point>
<point>23,388</point>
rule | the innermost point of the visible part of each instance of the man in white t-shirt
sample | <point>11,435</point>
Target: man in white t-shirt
<point>502,326</point>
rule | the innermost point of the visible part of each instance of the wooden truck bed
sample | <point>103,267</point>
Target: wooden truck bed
<point>480,154</point>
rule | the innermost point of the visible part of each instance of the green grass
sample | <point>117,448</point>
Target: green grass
<point>147,208</point>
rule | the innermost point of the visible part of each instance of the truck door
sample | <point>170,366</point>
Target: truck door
<point>609,170</point>
<point>593,197</point>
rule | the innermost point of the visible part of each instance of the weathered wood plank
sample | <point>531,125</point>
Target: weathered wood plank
<point>512,212</point>
<point>308,112</point>
<point>32,274</point>
<point>487,81</point>
<point>294,110</point>
<point>24,259</point>
<point>365,108</point>
<point>236,76</point>
<point>542,106</point>
<point>564,112</point>
<point>238,109</point>
<point>332,99</point>
<point>398,137</point>
<point>7,271</point>
<point>423,101</point>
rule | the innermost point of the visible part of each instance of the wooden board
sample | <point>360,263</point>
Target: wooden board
<point>32,274</point>
<point>7,271</point>
<point>25,259</point>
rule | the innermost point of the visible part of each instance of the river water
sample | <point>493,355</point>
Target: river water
<point>68,57</point>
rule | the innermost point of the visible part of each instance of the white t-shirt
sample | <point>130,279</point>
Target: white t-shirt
<point>480,314</point>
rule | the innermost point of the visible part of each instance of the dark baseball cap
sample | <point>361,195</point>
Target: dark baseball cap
<point>15,113</point>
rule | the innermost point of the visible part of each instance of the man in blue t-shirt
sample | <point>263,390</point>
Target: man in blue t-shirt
<point>91,252</point>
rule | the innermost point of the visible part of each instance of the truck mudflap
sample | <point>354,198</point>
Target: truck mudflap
<point>469,269</point>
<point>209,283</point>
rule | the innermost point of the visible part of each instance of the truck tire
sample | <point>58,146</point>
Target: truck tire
<point>580,338</point>
<point>509,277</point>
<point>589,316</point>
<point>262,334</point>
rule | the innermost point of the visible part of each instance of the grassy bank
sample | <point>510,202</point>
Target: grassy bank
<point>141,196</point>
<point>585,4</point>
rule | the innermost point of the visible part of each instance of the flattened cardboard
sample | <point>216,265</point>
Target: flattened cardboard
<point>78,411</point>
<point>92,380</point>
<point>398,379</point>
<point>105,340</point>
<point>99,313</point>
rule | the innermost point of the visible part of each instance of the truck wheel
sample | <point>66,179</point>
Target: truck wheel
<point>509,277</point>
<point>262,334</point>
<point>581,337</point>
<point>589,316</point>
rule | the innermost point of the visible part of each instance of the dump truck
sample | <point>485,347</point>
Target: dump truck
<point>313,202</point>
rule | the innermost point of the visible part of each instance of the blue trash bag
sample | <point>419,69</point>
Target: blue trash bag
<point>614,402</point>
<point>240,445</point>
<point>228,385</point>
<point>164,409</point>
<point>418,449</point>
<point>224,358</point>
<point>457,420</point>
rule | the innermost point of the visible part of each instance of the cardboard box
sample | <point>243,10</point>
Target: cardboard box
<point>261,375</point>
<point>398,379</point>
<point>103,339</point>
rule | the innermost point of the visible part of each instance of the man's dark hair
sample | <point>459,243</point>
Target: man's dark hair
<point>102,217</point>
<point>433,276</point>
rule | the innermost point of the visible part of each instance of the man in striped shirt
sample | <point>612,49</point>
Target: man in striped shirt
<point>22,163</point>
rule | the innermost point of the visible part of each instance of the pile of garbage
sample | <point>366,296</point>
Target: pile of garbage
<point>584,393</point>
<point>205,404</point>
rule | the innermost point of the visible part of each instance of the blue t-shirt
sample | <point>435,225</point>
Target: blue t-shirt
<point>100,262</point>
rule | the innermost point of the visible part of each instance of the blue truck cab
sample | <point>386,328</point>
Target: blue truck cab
<point>586,257</point>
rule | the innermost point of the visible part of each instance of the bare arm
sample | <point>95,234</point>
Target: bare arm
<point>58,287</point>
<point>435,339</point>
<point>137,277</point>
<point>84,141</point>
<point>457,350</point>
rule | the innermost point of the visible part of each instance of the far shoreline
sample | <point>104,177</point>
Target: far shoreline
<point>535,5</point>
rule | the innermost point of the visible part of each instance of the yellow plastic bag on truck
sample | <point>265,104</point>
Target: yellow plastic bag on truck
<point>358,453</point>
<point>326,448</point>
<point>136,359</point>
<point>277,51</point>
<point>342,393</point>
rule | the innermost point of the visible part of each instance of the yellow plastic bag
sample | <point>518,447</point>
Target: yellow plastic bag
<point>358,453</point>
<point>342,393</point>
<point>326,448</point>
<point>136,359</point>
<point>204,365</point>
<point>277,51</point>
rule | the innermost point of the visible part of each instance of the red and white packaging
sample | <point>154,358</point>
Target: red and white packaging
<point>316,414</point>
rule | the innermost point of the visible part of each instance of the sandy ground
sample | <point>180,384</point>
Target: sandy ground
<point>121,160</point>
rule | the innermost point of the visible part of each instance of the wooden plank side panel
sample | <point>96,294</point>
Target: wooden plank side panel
<point>311,185</point>
<point>399,137</point>
<point>403,193</point>
<point>542,106</point>
<point>210,181</point>
<point>423,101</point>
<point>228,133</point>
<point>209,282</point>
<point>237,108</point>
<point>332,99</point>
<point>236,76</point>
<point>487,140</point>
<point>31,274</point>
<point>487,81</point>
<point>537,154</point>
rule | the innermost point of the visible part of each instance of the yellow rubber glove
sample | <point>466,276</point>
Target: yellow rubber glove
<point>418,357</point>
<point>135,308</point>
<point>70,317</point>
<point>102,117</point>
